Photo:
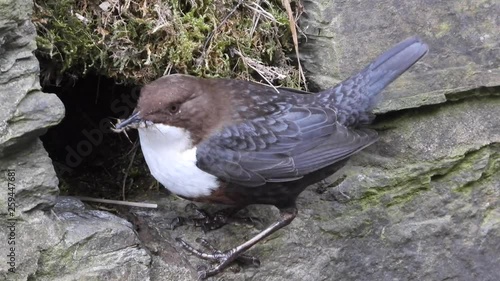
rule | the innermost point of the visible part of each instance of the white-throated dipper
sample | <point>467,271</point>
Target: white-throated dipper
<point>238,143</point>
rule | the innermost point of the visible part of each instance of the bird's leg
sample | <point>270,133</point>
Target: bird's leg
<point>245,259</point>
<point>224,259</point>
<point>208,221</point>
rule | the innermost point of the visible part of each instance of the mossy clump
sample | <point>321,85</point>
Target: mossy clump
<point>139,41</point>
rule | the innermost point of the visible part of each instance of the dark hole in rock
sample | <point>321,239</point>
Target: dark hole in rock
<point>437,177</point>
<point>90,159</point>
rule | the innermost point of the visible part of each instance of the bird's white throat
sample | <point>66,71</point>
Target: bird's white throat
<point>171,158</point>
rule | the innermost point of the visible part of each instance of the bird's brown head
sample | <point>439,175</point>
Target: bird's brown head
<point>180,101</point>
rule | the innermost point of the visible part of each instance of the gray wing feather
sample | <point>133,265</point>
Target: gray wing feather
<point>289,142</point>
<point>279,148</point>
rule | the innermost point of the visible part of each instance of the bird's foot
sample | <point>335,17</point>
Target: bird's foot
<point>209,222</point>
<point>223,259</point>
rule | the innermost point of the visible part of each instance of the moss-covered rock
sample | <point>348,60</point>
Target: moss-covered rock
<point>139,41</point>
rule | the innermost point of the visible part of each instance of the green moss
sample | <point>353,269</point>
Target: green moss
<point>411,191</point>
<point>144,40</point>
<point>494,163</point>
<point>443,29</point>
<point>460,174</point>
<point>396,194</point>
<point>491,217</point>
<point>477,167</point>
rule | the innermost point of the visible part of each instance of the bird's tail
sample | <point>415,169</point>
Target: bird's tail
<point>356,96</point>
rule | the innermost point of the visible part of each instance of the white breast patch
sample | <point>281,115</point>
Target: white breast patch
<point>171,158</point>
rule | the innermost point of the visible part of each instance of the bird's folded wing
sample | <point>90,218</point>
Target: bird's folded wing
<point>281,147</point>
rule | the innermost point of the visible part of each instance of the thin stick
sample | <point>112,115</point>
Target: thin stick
<point>288,9</point>
<point>117,202</point>
<point>124,185</point>
<point>248,62</point>
<point>212,34</point>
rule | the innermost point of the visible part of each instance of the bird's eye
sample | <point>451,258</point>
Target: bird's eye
<point>174,108</point>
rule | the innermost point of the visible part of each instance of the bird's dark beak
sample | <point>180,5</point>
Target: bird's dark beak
<point>133,119</point>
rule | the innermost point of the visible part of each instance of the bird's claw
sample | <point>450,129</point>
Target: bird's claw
<point>223,259</point>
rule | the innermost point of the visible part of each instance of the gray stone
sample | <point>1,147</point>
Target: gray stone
<point>25,112</point>
<point>463,37</point>
<point>96,245</point>
<point>36,181</point>
<point>67,242</point>
<point>34,234</point>
<point>35,192</point>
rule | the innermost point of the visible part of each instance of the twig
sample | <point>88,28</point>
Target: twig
<point>122,130</point>
<point>288,8</point>
<point>253,65</point>
<point>212,34</point>
<point>261,12</point>
<point>117,202</point>
<point>124,185</point>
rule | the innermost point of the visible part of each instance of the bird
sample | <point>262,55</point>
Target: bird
<point>238,143</point>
